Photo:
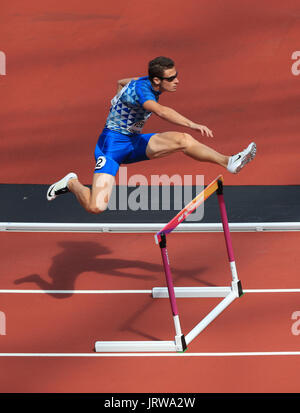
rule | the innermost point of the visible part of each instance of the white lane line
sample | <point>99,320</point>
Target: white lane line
<point>274,290</point>
<point>226,354</point>
<point>221,354</point>
<point>15,291</point>
<point>75,291</point>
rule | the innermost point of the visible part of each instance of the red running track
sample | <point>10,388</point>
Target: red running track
<point>235,65</point>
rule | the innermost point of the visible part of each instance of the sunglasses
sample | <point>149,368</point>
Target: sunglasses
<point>169,79</point>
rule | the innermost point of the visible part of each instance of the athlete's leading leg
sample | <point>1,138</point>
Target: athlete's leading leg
<point>162,144</point>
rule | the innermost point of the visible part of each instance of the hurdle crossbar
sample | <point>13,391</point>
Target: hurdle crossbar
<point>229,294</point>
<point>189,208</point>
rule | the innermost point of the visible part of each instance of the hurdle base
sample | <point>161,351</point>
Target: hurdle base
<point>192,292</point>
<point>139,346</point>
<point>199,292</point>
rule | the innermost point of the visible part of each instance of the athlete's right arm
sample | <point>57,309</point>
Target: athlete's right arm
<point>172,116</point>
<point>123,82</point>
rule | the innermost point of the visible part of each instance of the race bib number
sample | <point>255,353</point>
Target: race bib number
<point>137,127</point>
<point>101,161</point>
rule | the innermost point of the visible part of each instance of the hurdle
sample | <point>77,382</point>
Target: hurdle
<point>228,293</point>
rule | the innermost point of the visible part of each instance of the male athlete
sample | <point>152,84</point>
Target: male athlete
<point>121,141</point>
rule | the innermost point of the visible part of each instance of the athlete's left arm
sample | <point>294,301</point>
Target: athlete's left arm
<point>172,116</point>
<point>123,82</point>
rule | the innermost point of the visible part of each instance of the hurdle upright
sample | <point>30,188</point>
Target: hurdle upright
<point>229,293</point>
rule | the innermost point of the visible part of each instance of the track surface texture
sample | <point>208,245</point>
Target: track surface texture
<point>237,76</point>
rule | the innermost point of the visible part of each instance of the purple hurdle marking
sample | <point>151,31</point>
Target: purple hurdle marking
<point>167,269</point>
<point>225,227</point>
<point>179,338</point>
<point>226,231</point>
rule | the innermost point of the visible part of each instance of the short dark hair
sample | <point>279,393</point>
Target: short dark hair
<point>158,65</point>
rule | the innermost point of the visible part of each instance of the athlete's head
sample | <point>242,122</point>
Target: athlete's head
<point>162,74</point>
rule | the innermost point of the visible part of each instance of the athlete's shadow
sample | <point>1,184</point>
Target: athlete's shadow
<point>80,257</point>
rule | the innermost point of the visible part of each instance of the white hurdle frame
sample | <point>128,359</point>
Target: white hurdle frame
<point>180,342</point>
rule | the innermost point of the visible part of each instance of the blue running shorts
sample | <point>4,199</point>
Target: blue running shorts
<point>113,149</point>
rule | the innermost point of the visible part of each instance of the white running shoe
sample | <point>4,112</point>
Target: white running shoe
<point>60,187</point>
<point>238,161</point>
